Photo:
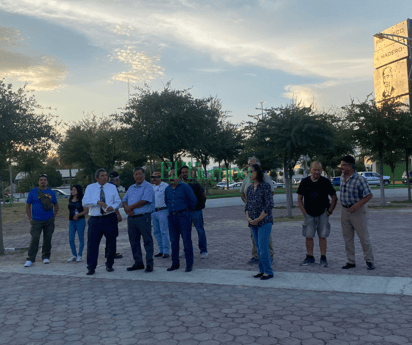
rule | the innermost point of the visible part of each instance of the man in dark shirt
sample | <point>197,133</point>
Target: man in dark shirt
<point>197,214</point>
<point>180,200</point>
<point>313,199</point>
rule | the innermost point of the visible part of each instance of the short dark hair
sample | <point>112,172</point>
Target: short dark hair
<point>114,175</point>
<point>179,172</point>
<point>349,159</point>
<point>79,192</point>
<point>259,172</point>
<point>137,169</point>
<point>43,175</point>
<point>98,171</point>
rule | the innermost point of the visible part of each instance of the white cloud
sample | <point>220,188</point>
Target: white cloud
<point>21,63</point>
<point>141,66</point>
<point>226,33</point>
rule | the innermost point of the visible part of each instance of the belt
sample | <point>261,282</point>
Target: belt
<point>139,215</point>
<point>177,212</point>
<point>103,215</point>
<point>348,206</point>
<point>160,208</point>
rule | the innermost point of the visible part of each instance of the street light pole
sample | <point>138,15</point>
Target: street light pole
<point>261,106</point>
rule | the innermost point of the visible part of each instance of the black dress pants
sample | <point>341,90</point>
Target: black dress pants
<point>99,226</point>
<point>141,227</point>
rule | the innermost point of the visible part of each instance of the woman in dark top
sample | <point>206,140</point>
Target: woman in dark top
<point>77,221</point>
<point>258,211</point>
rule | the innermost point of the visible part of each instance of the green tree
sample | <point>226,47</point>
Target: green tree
<point>375,128</point>
<point>22,124</point>
<point>228,145</point>
<point>288,132</point>
<point>164,124</point>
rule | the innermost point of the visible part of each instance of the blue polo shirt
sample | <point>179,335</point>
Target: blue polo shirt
<point>37,211</point>
<point>143,192</point>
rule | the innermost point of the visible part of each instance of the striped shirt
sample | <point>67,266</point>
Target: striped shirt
<point>354,189</point>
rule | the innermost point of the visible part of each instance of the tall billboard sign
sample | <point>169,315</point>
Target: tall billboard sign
<point>392,64</point>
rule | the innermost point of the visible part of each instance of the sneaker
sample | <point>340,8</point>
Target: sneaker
<point>323,262</point>
<point>46,261</point>
<point>204,255</point>
<point>308,260</point>
<point>28,263</point>
<point>370,266</point>
<point>73,258</point>
<point>253,261</point>
<point>79,258</point>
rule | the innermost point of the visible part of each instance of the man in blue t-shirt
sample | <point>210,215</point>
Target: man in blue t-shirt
<point>41,208</point>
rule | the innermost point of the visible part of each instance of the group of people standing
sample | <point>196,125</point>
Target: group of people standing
<point>172,209</point>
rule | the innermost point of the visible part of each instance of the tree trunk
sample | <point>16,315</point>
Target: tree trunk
<point>383,203</point>
<point>408,182</point>
<point>1,224</point>
<point>288,189</point>
<point>207,181</point>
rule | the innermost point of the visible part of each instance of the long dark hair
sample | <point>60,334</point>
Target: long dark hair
<point>79,192</point>
<point>259,172</point>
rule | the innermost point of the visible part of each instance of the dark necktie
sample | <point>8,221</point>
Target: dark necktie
<point>102,198</point>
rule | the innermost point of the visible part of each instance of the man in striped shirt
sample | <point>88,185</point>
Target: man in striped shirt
<point>354,194</point>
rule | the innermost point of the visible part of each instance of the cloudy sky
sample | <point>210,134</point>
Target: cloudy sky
<point>78,54</point>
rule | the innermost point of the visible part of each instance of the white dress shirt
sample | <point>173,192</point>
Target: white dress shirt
<point>92,196</point>
<point>160,194</point>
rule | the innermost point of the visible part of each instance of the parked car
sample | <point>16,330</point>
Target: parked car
<point>335,181</point>
<point>373,178</point>
<point>297,180</point>
<point>404,177</point>
<point>61,193</point>
<point>233,185</point>
<point>221,185</point>
<point>278,184</point>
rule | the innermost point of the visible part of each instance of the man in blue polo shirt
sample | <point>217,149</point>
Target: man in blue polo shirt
<point>41,217</point>
<point>139,204</point>
<point>180,200</point>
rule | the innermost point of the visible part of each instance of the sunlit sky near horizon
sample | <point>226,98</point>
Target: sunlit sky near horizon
<point>77,55</point>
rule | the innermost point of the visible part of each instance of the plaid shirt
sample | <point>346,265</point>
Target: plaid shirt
<point>353,190</point>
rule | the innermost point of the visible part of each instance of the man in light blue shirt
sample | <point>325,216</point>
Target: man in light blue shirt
<point>159,217</point>
<point>139,204</point>
<point>103,200</point>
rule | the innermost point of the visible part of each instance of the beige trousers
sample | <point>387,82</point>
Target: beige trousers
<point>356,222</point>
<point>254,249</point>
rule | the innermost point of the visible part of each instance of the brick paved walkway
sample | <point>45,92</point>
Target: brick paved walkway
<point>46,309</point>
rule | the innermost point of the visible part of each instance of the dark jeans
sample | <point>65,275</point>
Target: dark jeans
<point>181,225</point>
<point>141,226</point>
<point>47,226</point>
<point>197,219</point>
<point>99,226</point>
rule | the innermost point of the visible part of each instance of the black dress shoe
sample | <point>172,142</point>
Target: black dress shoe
<point>90,272</point>
<point>174,267</point>
<point>149,269</point>
<point>118,256</point>
<point>347,266</point>
<point>136,267</point>
<point>165,256</point>
<point>260,274</point>
<point>269,276</point>
<point>158,255</point>
<point>109,269</point>
<point>189,269</point>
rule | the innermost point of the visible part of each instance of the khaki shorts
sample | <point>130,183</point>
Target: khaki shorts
<point>320,224</point>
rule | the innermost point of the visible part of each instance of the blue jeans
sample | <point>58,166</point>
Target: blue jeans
<point>261,235</point>
<point>197,219</point>
<point>180,224</point>
<point>79,226</point>
<point>161,230</point>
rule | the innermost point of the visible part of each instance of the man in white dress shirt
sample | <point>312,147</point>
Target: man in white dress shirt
<point>159,217</point>
<point>103,200</point>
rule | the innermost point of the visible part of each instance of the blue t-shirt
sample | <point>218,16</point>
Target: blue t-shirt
<point>38,213</point>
